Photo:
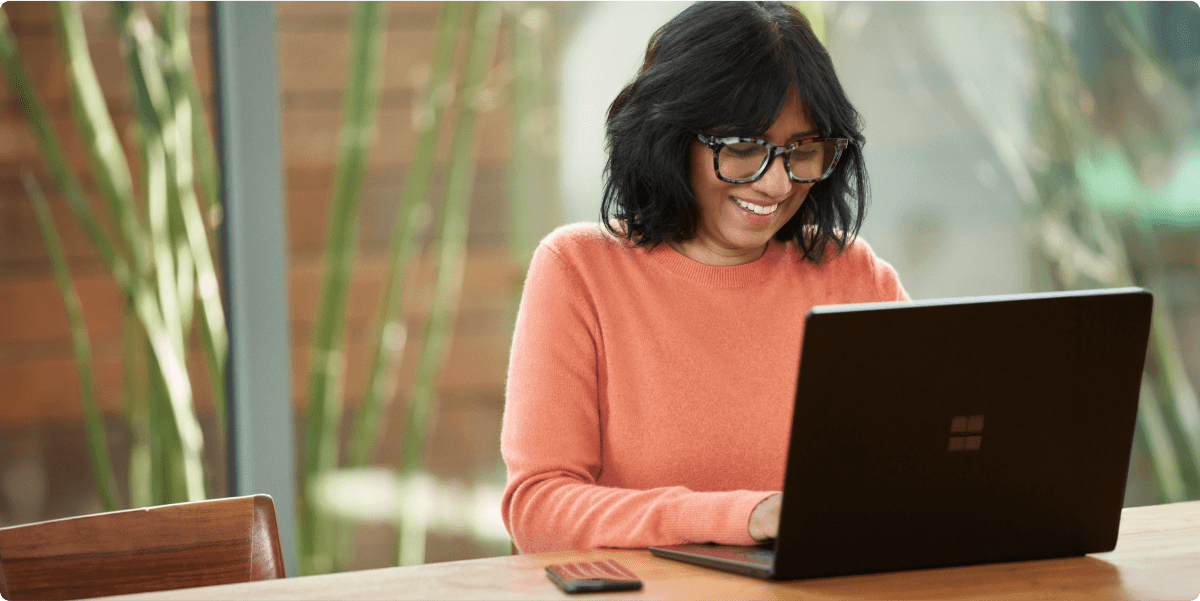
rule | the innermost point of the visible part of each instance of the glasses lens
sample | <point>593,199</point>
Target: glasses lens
<point>741,160</point>
<point>812,159</point>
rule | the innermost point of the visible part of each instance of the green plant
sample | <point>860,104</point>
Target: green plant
<point>450,242</point>
<point>413,213</point>
<point>106,485</point>
<point>324,413</point>
<point>1082,247</point>
<point>1074,243</point>
<point>319,552</point>
<point>157,249</point>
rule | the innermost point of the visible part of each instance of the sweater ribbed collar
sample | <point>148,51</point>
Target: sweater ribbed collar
<point>737,276</point>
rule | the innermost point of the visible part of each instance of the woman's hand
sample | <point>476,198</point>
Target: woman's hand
<point>764,520</point>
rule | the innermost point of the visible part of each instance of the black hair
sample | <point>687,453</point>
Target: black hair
<point>726,68</point>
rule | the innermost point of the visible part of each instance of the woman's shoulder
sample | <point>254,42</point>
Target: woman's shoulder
<point>858,271</point>
<point>856,253</point>
<point>580,240</point>
<point>855,267</point>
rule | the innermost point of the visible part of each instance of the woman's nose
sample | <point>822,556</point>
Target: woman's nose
<point>775,183</point>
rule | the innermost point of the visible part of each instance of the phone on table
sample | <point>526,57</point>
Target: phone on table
<point>593,576</point>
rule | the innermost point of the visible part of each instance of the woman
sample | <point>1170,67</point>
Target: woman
<point>654,360</point>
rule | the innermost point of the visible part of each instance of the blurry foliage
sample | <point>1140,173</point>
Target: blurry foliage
<point>159,249</point>
<point>1129,98</point>
<point>151,235</point>
<point>324,411</point>
<point>360,493</point>
<point>1112,98</point>
<point>471,89</point>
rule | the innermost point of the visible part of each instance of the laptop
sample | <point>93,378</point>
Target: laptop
<point>954,432</point>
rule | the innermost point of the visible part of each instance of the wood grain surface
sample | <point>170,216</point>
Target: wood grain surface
<point>184,545</point>
<point>1157,558</point>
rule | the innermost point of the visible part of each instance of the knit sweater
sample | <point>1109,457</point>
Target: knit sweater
<point>649,396</point>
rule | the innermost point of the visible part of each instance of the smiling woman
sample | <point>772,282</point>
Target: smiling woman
<point>747,196</point>
<point>760,73</point>
<point>654,359</point>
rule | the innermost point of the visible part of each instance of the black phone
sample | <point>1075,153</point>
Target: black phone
<point>593,576</point>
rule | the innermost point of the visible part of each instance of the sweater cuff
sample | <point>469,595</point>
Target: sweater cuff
<point>715,517</point>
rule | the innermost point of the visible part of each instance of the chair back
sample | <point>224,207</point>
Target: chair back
<point>220,541</point>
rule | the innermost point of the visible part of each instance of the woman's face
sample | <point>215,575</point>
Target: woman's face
<point>730,233</point>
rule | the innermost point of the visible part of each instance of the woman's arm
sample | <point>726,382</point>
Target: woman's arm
<point>551,440</point>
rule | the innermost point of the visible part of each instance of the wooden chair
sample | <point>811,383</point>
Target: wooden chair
<point>219,541</point>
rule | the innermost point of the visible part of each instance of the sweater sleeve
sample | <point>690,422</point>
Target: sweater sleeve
<point>551,439</point>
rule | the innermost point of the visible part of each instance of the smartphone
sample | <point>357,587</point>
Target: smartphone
<point>593,576</point>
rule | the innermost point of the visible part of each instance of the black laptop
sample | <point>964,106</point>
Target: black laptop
<point>954,432</point>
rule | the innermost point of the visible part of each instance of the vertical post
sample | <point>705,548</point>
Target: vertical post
<point>254,256</point>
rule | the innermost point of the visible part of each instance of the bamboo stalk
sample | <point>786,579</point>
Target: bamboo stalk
<point>169,374</point>
<point>451,245</point>
<point>63,176</point>
<point>323,417</point>
<point>410,218</point>
<point>157,201</point>
<point>137,412</point>
<point>182,82</point>
<point>102,473</point>
<point>162,488</point>
<point>99,135</point>
<point>159,308</point>
<point>166,349</point>
<point>180,85</point>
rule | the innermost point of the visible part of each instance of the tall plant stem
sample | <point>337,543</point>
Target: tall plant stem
<point>106,484</point>
<point>324,413</point>
<point>451,245</point>
<point>99,135</point>
<point>189,124</point>
<point>182,82</point>
<point>412,214</point>
<point>137,412</point>
<point>159,307</point>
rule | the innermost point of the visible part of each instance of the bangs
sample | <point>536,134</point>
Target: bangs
<point>744,87</point>
<point>744,91</point>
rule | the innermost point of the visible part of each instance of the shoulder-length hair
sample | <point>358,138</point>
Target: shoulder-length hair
<point>726,68</point>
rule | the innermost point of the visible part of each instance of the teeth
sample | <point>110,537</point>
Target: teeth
<point>761,210</point>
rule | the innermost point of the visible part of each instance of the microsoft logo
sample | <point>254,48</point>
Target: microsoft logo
<point>966,432</point>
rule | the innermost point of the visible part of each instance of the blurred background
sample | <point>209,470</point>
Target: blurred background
<point>415,153</point>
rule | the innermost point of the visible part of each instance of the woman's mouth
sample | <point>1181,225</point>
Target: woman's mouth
<point>757,209</point>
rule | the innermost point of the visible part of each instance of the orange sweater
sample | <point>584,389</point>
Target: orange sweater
<point>649,396</point>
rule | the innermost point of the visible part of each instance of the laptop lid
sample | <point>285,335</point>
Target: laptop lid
<point>961,431</point>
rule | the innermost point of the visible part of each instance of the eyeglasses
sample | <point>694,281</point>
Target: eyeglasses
<point>745,160</point>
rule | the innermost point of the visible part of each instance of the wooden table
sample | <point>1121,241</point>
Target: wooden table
<point>1157,557</point>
